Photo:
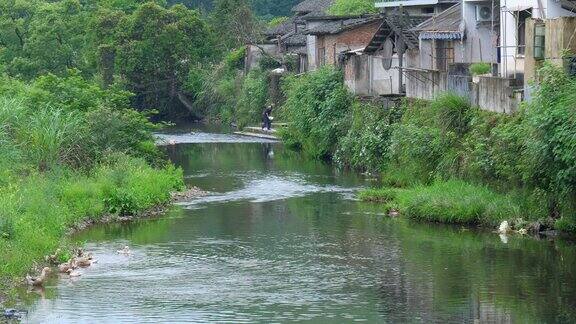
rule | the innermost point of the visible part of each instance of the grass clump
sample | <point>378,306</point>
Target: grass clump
<point>452,201</point>
<point>480,68</point>
<point>381,195</point>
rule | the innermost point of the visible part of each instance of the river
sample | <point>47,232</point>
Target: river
<point>281,238</point>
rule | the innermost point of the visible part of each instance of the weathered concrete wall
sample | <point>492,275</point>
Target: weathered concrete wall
<point>356,75</point>
<point>425,84</point>
<point>365,75</point>
<point>495,94</point>
<point>490,93</point>
<point>480,42</point>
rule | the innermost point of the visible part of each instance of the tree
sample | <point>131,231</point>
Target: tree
<point>352,7</point>
<point>155,49</point>
<point>234,21</point>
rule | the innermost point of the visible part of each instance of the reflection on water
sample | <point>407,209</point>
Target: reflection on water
<point>279,240</point>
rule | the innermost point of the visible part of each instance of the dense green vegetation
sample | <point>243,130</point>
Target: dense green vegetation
<point>263,8</point>
<point>515,166</point>
<point>352,7</point>
<point>149,48</point>
<point>71,151</point>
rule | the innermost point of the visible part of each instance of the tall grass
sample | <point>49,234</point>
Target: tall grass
<point>51,136</point>
<point>452,201</point>
<point>38,210</point>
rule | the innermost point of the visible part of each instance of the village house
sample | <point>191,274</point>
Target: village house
<point>450,42</point>
<point>416,7</point>
<point>288,41</point>
<point>377,69</point>
<point>513,29</point>
<point>337,35</point>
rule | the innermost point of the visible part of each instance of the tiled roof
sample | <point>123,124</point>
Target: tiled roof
<point>340,25</point>
<point>282,29</point>
<point>317,6</point>
<point>294,39</point>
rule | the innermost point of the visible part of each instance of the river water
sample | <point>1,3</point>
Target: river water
<point>281,238</point>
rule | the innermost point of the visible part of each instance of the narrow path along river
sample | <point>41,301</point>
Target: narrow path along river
<point>281,238</point>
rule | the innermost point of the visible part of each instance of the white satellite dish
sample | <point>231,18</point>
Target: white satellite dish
<point>387,52</point>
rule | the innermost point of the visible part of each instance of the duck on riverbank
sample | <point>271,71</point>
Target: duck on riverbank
<point>38,281</point>
<point>53,259</point>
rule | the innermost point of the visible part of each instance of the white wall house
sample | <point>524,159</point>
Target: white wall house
<point>513,15</point>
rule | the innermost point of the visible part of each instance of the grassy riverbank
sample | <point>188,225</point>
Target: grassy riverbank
<point>444,160</point>
<point>452,201</point>
<point>70,152</point>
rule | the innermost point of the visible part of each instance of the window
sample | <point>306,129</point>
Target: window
<point>428,10</point>
<point>444,54</point>
<point>521,30</point>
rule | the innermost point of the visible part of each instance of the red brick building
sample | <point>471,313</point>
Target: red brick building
<point>344,34</point>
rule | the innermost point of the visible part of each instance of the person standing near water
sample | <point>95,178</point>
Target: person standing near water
<point>267,118</point>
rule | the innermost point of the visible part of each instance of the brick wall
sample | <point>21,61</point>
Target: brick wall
<point>347,40</point>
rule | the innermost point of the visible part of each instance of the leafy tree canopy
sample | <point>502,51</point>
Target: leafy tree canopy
<point>352,7</point>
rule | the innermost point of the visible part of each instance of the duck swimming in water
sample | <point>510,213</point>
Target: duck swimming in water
<point>73,273</point>
<point>82,262</point>
<point>38,281</point>
<point>64,267</point>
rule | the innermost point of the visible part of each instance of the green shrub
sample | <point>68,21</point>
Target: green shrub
<point>550,132</point>
<point>352,7</point>
<point>52,136</point>
<point>480,68</point>
<point>252,98</point>
<point>235,59</point>
<point>317,110</point>
<point>493,148</point>
<point>417,150</point>
<point>268,62</point>
<point>366,143</point>
<point>38,210</point>
<point>453,113</point>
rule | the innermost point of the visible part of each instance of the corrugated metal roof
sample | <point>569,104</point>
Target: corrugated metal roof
<point>442,35</point>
